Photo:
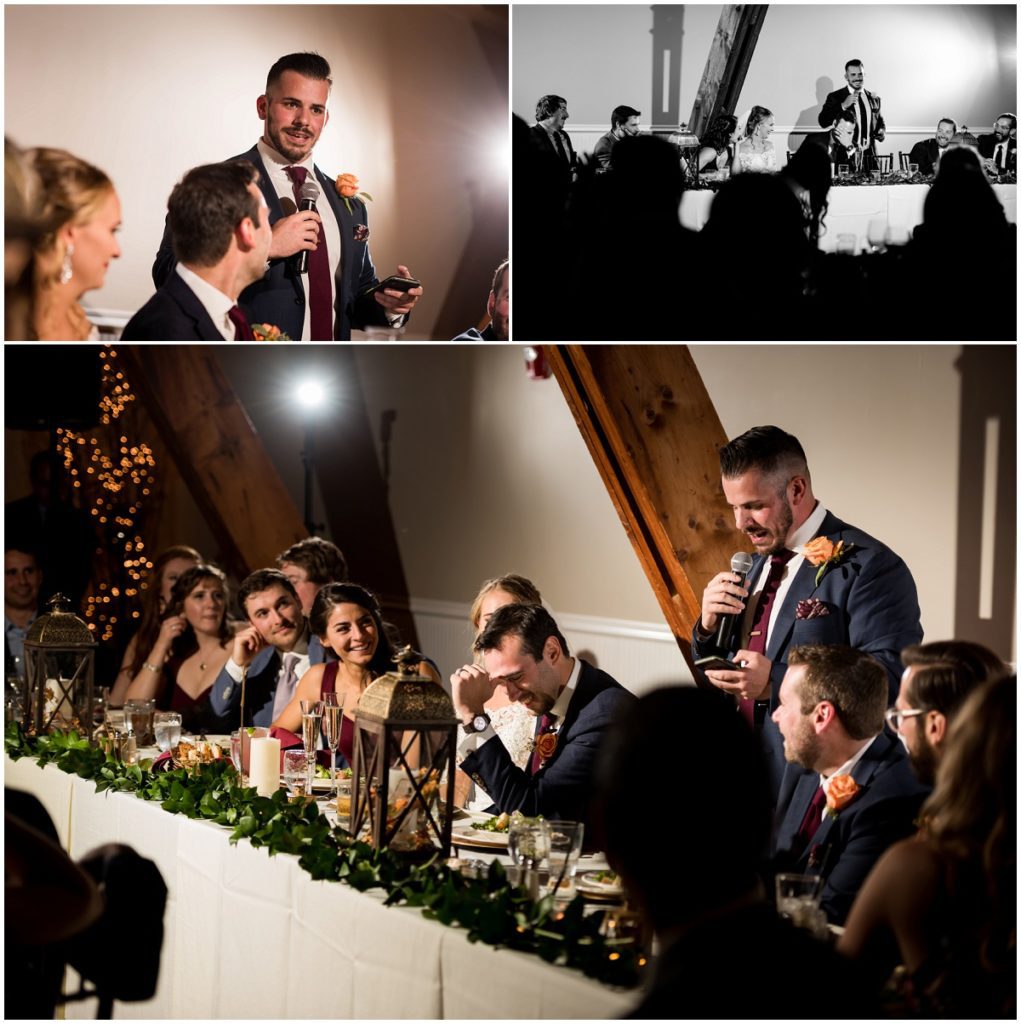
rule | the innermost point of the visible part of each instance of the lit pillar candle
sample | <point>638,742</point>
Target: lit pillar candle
<point>264,772</point>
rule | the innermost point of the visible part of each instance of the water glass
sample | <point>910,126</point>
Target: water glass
<point>138,716</point>
<point>167,727</point>
<point>877,177</point>
<point>876,234</point>
<point>912,169</point>
<point>843,170</point>
<point>797,900</point>
<point>529,845</point>
<point>565,839</point>
<point>847,243</point>
<point>13,710</point>
<point>295,771</point>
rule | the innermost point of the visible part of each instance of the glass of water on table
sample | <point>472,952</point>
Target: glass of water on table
<point>797,899</point>
<point>167,726</point>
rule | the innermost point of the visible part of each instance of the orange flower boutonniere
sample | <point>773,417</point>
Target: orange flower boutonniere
<point>546,745</point>
<point>268,332</point>
<point>840,792</point>
<point>824,553</point>
<point>348,189</point>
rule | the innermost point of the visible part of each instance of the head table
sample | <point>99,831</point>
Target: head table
<point>249,935</point>
<point>852,207</point>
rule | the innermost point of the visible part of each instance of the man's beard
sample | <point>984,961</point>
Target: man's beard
<point>803,748</point>
<point>923,761</point>
<point>783,528</point>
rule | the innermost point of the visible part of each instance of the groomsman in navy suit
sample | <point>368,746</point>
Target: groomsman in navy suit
<point>843,588</point>
<point>336,293</point>
<point>219,222</point>
<point>271,653</point>
<point>848,791</point>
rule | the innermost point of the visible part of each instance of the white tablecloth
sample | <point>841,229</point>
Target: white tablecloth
<point>249,935</point>
<point>852,207</point>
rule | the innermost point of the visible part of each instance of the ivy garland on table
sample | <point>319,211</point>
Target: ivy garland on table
<point>490,908</point>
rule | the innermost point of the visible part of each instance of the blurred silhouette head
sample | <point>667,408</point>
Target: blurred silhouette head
<point>647,169</point>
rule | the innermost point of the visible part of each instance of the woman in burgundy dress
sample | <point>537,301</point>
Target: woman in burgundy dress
<point>347,619</point>
<point>192,646</point>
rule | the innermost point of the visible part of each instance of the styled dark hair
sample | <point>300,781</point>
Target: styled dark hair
<point>668,734</point>
<point>844,115</point>
<point>531,622</point>
<point>768,449</point>
<point>499,274</point>
<point>309,65</point>
<point>321,559</point>
<point>849,679</point>
<point>946,672</point>
<point>207,204</point>
<point>263,579</point>
<point>620,114</point>
<point>183,586</point>
<point>947,120</point>
<point>350,593</point>
<point>24,546</point>
<point>1012,117</point>
<point>755,118</point>
<point>717,135</point>
<point>548,106</point>
<point>854,62</point>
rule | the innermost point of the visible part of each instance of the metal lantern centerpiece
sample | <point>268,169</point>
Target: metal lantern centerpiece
<point>60,661</point>
<point>687,145</point>
<point>405,738</point>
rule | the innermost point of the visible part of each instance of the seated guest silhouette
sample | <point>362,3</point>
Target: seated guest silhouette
<point>722,948</point>
<point>219,224</point>
<point>944,903</point>
<point>717,145</point>
<point>574,705</point>
<point>848,791</point>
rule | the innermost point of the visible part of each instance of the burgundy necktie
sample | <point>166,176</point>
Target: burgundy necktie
<point>320,292</point>
<point>760,618</point>
<point>242,332</point>
<point>810,822</point>
<point>544,724</point>
<point>863,118</point>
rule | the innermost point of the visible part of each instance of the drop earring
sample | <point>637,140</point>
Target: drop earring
<point>65,268</point>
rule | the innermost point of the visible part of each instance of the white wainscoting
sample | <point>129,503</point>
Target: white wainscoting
<point>639,655</point>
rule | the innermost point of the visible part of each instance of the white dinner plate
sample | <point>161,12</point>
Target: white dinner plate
<point>468,836</point>
<point>590,884</point>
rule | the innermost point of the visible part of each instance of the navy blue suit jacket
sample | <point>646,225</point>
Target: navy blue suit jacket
<point>279,298</point>
<point>872,604</point>
<point>845,848</point>
<point>174,313</point>
<point>562,788</point>
<point>260,685</point>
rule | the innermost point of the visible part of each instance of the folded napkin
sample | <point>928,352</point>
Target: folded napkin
<point>163,763</point>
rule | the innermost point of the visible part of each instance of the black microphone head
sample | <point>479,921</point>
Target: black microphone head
<point>741,562</point>
<point>310,190</point>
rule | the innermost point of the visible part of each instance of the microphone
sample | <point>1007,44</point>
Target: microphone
<point>307,201</point>
<point>723,639</point>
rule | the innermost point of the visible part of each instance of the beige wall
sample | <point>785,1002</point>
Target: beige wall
<point>925,61</point>
<point>418,113</point>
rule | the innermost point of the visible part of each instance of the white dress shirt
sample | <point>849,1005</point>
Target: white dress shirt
<point>214,302</point>
<point>283,186</point>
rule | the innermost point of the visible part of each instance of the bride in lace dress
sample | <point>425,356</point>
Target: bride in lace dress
<point>756,152</point>
<point>511,722</point>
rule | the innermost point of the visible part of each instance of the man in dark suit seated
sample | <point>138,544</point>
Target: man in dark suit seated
<point>863,106</point>
<point>814,580</point>
<point>271,653</point>
<point>574,703</point>
<point>623,124</point>
<point>842,149</point>
<point>336,292</point>
<point>723,951</point>
<point>848,792</point>
<point>927,153</point>
<point>999,150</point>
<point>219,223</point>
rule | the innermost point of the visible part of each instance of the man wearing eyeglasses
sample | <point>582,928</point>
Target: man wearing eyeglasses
<point>848,791</point>
<point>938,678</point>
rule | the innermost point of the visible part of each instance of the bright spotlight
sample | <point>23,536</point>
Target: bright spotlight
<point>310,394</point>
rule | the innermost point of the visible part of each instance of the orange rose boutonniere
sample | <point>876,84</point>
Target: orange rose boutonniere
<point>840,792</point>
<point>824,553</point>
<point>268,332</point>
<point>546,745</point>
<point>348,189</point>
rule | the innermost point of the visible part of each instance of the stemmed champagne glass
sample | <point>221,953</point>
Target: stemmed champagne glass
<point>332,712</point>
<point>311,721</point>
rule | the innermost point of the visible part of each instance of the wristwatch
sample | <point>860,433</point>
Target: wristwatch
<point>478,724</point>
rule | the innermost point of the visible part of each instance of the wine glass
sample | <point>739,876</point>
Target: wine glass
<point>877,234</point>
<point>332,712</point>
<point>311,722</point>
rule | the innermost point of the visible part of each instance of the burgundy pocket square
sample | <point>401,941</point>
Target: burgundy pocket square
<point>811,608</point>
<point>361,232</point>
